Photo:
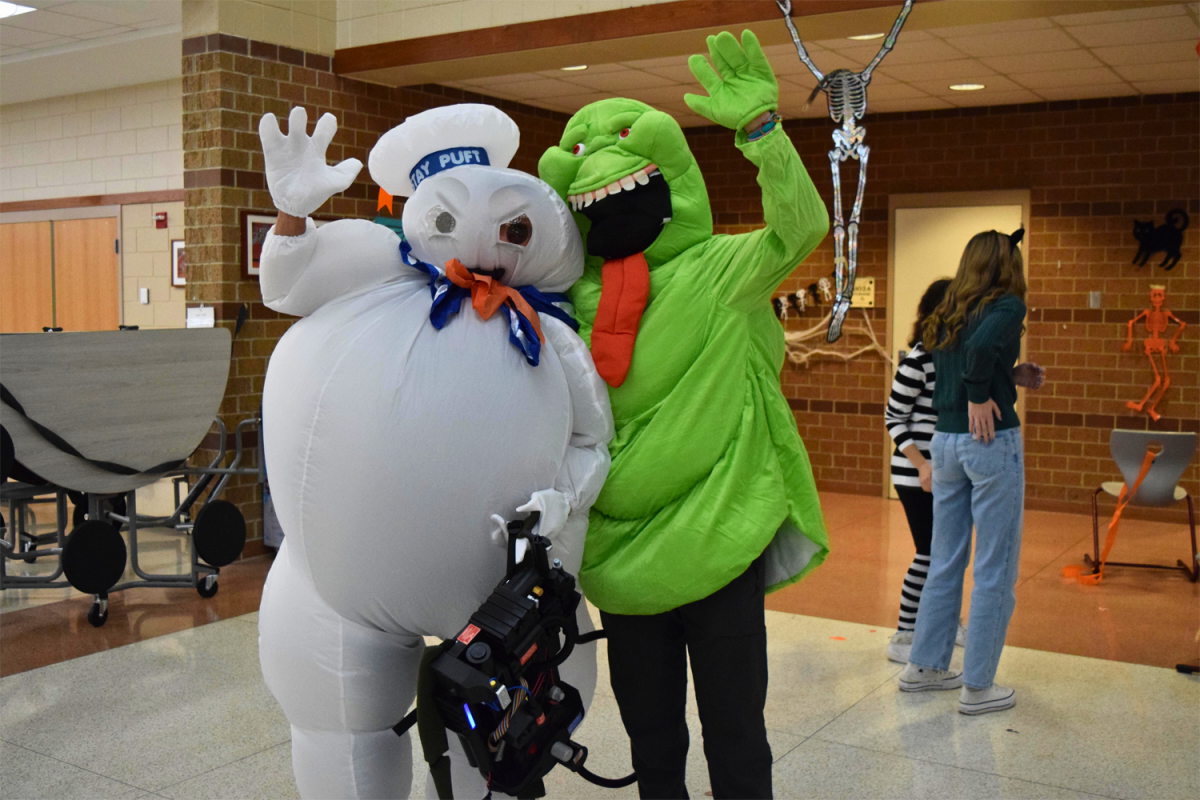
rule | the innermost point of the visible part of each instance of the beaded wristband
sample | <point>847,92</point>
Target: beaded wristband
<point>766,128</point>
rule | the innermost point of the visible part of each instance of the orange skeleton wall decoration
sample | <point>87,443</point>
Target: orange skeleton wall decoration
<point>1157,319</point>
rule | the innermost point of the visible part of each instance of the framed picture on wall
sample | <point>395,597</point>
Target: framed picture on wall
<point>255,225</point>
<point>254,233</point>
<point>178,264</point>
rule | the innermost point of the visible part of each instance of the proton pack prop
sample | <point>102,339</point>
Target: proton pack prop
<point>497,685</point>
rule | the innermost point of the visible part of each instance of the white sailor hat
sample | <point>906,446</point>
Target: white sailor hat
<point>439,139</point>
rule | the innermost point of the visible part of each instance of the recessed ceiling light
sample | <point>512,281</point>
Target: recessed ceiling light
<point>967,87</point>
<point>12,9</point>
<point>575,68</point>
<point>866,37</point>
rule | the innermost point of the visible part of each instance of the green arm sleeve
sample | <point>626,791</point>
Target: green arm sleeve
<point>1001,324</point>
<point>750,266</point>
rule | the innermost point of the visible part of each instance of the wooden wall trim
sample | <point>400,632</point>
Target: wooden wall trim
<point>122,199</point>
<point>600,26</point>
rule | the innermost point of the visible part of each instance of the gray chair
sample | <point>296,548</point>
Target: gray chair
<point>1160,488</point>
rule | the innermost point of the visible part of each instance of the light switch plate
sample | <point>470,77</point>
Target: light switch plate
<point>144,296</point>
<point>1093,299</point>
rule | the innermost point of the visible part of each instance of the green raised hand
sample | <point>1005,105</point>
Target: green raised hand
<point>745,86</point>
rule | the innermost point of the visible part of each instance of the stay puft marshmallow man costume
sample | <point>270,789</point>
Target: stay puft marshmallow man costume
<point>403,427</point>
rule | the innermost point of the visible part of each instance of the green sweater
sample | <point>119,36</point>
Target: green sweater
<point>980,366</point>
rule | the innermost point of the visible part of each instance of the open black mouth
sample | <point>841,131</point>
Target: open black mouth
<point>629,220</point>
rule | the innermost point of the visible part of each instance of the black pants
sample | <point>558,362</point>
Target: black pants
<point>918,507</point>
<point>725,635</point>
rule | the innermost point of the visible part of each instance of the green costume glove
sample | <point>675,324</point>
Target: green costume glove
<point>745,87</point>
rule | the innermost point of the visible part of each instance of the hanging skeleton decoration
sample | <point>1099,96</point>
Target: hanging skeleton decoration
<point>847,95</point>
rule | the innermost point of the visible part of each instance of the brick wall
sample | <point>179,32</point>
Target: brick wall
<point>228,84</point>
<point>103,142</point>
<point>1092,166</point>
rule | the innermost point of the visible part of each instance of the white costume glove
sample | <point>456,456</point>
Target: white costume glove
<point>297,175</point>
<point>553,507</point>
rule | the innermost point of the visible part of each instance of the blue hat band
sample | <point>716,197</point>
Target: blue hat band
<point>443,160</point>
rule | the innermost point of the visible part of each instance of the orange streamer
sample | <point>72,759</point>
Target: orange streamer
<point>1126,494</point>
<point>385,201</point>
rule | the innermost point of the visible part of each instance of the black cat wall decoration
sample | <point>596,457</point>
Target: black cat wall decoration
<point>1166,238</point>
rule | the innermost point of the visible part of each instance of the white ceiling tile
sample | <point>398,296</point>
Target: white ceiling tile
<point>593,69</point>
<point>895,91</point>
<point>991,28</point>
<point>970,99</point>
<point>1182,50</point>
<point>904,52</point>
<point>1146,31</point>
<point>665,61</point>
<point>1067,77</point>
<point>1014,43</point>
<point>1042,62</point>
<point>1124,15</point>
<point>109,31</point>
<point>790,64</point>
<point>539,88</point>
<point>19,37</point>
<point>1086,92</point>
<point>1167,87</point>
<point>678,73</point>
<point>947,71</point>
<point>55,24</point>
<point>893,106</point>
<point>619,80</point>
<point>125,12</point>
<point>995,84</point>
<point>657,95</point>
<point>498,80</point>
<point>1174,70</point>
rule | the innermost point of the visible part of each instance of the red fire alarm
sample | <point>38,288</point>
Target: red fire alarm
<point>160,219</point>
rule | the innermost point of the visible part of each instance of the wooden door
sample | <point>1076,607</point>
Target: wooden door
<point>26,277</point>
<point>87,288</point>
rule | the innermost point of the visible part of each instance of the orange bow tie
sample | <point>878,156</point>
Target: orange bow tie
<point>488,294</point>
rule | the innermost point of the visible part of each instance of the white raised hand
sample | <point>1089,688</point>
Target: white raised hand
<point>297,175</point>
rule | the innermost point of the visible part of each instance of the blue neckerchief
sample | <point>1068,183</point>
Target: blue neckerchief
<point>448,298</point>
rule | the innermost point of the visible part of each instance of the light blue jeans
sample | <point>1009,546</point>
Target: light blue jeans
<point>982,485</point>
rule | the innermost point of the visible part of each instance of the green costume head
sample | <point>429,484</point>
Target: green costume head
<point>613,139</point>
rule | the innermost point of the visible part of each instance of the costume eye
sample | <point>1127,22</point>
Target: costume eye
<point>517,231</point>
<point>579,149</point>
<point>441,220</point>
<point>624,133</point>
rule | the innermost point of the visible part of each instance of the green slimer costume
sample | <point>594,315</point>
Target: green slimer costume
<point>708,469</point>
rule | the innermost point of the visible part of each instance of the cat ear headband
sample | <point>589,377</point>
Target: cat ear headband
<point>1016,236</point>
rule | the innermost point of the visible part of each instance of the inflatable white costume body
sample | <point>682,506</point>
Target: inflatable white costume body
<point>392,443</point>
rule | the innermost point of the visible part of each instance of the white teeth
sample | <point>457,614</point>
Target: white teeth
<point>601,193</point>
<point>614,187</point>
<point>641,177</point>
<point>627,182</point>
<point>588,199</point>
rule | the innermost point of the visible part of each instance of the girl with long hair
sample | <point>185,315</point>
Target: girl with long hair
<point>910,419</point>
<point>974,337</point>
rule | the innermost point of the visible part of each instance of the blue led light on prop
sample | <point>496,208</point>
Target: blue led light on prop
<point>470,719</point>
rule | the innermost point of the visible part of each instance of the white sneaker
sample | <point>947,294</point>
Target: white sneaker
<point>960,638</point>
<point>924,679</point>
<point>900,646</point>
<point>983,701</point>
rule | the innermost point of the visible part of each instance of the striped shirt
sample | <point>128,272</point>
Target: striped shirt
<point>910,417</point>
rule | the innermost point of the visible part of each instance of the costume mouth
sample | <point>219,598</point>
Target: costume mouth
<point>626,215</point>
<point>639,177</point>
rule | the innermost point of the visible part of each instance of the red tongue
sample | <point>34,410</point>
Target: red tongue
<point>624,290</point>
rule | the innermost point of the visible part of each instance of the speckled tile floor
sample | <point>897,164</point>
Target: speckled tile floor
<point>186,715</point>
